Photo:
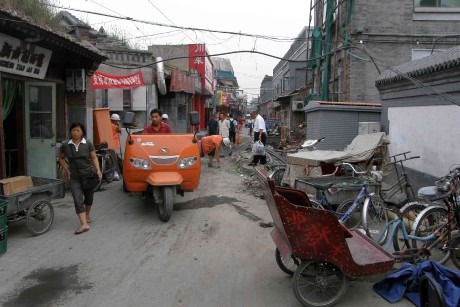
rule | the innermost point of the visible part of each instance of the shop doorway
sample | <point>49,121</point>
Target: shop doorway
<point>40,127</point>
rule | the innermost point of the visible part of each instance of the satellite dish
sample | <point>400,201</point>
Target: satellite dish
<point>161,76</point>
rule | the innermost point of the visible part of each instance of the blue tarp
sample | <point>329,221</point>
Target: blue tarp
<point>405,282</point>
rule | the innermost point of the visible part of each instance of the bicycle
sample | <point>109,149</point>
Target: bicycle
<point>439,223</point>
<point>106,164</point>
<point>402,184</point>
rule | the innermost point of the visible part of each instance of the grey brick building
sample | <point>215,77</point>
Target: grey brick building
<point>356,40</point>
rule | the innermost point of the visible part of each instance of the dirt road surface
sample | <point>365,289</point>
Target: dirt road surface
<point>212,252</point>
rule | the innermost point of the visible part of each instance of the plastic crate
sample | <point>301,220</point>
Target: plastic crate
<point>3,212</point>
<point>3,240</point>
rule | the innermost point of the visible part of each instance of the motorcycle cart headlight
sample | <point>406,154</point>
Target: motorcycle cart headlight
<point>140,163</point>
<point>187,162</point>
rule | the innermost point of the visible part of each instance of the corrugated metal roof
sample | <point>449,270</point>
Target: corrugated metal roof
<point>356,104</point>
<point>435,62</point>
<point>342,106</point>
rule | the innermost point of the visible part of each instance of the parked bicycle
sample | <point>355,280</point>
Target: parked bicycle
<point>402,185</point>
<point>106,164</point>
<point>439,223</point>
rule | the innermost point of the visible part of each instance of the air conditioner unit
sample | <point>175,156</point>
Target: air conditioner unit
<point>298,106</point>
<point>69,80</point>
<point>80,82</point>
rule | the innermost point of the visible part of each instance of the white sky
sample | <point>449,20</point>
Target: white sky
<point>283,19</point>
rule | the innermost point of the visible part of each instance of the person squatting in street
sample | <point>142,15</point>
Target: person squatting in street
<point>260,133</point>
<point>210,145</point>
<point>82,158</point>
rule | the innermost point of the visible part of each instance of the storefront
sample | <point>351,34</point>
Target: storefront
<point>43,80</point>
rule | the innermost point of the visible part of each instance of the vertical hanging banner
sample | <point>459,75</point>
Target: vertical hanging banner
<point>101,80</point>
<point>200,62</point>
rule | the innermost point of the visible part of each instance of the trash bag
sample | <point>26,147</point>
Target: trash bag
<point>258,149</point>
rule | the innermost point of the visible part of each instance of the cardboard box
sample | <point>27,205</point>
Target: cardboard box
<point>15,185</point>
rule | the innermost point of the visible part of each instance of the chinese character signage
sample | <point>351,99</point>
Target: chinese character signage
<point>22,58</point>
<point>199,62</point>
<point>100,80</point>
<point>181,82</point>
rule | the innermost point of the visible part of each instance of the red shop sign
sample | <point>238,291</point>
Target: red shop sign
<point>101,80</point>
<point>181,82</point>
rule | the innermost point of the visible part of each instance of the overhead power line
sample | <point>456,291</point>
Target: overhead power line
<point>279,38</point>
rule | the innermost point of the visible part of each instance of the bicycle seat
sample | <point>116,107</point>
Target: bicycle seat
<point>321,187</point>
<point>399,203</point>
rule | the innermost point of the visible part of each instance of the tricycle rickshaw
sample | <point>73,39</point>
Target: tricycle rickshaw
<point>161,165</point>
<point>34,205</point>
<point>323,253</point>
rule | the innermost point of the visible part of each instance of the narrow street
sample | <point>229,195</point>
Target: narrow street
<point>212,252</point>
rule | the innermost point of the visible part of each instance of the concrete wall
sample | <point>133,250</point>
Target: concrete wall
<point>429,132</point>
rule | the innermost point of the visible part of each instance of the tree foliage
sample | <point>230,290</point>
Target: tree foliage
<point>39,12</point>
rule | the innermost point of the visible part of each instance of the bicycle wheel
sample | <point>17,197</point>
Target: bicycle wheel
<point>108,168</point>
<point>433,220</point>
<point>375,220</point>
<point>408,215</point>
<point>454,248</point>
<point>354,218</point>
<point>288,266</point>
<point>319,283</point>
<point>277,175</point>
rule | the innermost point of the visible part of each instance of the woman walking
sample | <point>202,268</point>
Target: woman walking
<point>82,163</point>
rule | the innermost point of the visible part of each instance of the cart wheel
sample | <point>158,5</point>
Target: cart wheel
<point>166,204</point>
<point>319,283</point>
<point>288,266</point>
<point>39,217</point>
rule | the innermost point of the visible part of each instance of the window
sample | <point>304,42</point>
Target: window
<point>285,86</point>
<point>127,101</point>
<point>437,3</point>
<point>421,53</point>
<point>437,10</point>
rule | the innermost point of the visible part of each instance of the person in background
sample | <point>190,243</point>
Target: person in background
<point>157,126</point>
<point>224,126</point>
<point>164,118</point>
<point>232,129</point>
<point>260,133</point>
<point>213,125</point>
<point>240,124</point>
<point>82,158</point>
<point>116,130</point>
<point>211,145</point>
<point>267,124</point>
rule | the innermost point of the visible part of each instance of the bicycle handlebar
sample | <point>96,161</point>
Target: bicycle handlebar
<point>402,160</point>
<point>337,166</point>
<point>400,154</point>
